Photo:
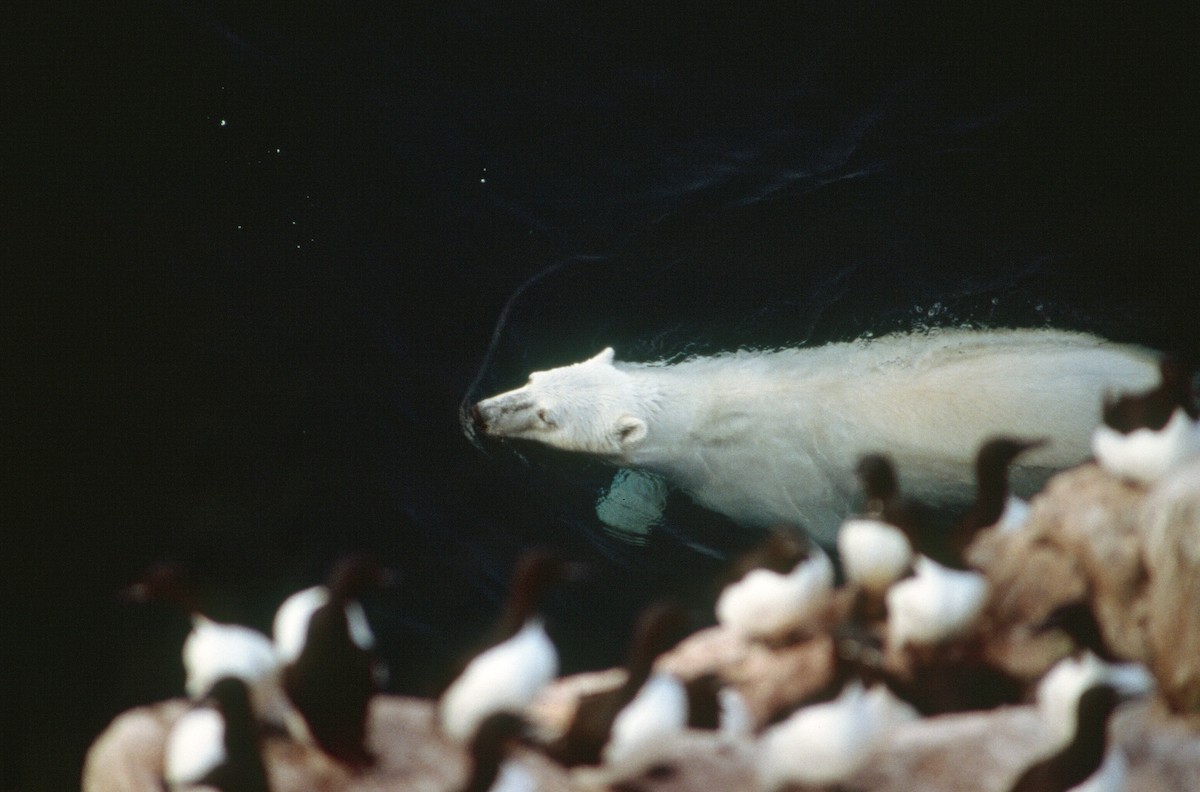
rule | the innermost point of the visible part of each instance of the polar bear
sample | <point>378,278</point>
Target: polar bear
<point>768,437</point>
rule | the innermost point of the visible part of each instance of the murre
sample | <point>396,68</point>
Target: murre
<point>935,605</point>
<point>778,588</point>
<point>875,547</point>
<point>994,504</point>
<point>1084,754</point>
<point>646,704</point>
<point>823,744</point>
<point>1148,433</point>
<point>217,743</point>
<point>213,649</point>
<point>510,672</point>
<point>491,769</point>
<point>326,646</point>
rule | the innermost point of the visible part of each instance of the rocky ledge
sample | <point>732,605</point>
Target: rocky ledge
<point>1131,552</point>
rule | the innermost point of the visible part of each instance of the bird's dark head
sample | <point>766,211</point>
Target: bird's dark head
<point>660,626</point>
<point>999,452</point>
<point>162,582</point>
<point>356,574</point>
<point>1098,702</point>
<point>537,570</point>
<point>878,477</point>
<point>232,697</point>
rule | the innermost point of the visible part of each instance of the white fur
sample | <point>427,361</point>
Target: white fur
<point>659,710</point>
<point>766,604</point>
<point>874,554</point>
<point>773,437</point>
<point>1146,455</point>
<point>936,605</point>
<point>824,743</point>
<point>195,746</point>
<point>505,677</point>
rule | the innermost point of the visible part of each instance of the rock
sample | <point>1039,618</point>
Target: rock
<point>411,755</point>
<point>1163,750</point>
<point>128,755</point>
<point>1082,540</point>
<point>965,752</point>
<point>986,751</point>
<point>773,681</point>
<point>1132,551</point>
<point>693,761</point>
<point>1171,526</point>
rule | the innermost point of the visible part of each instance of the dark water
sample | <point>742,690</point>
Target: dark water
<point>260,255</point>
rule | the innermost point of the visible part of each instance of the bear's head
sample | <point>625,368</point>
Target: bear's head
<point>590,407</point>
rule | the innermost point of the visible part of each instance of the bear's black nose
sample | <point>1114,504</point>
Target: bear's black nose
<point>477,418</point>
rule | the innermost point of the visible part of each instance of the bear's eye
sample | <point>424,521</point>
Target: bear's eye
<point>544,416</point>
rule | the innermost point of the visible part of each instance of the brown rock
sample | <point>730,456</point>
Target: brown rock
<point>128,755</point>
<point>692,761</point>
<point>986,751</point>
<point>773,681</point>
<point>1171,525</point>
<point>1082,540</point>
<point>411,755</point>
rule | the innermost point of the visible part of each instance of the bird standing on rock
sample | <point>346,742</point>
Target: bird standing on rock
<point>876,548</point>
<point>217,743</point>
<point>325,644</point>
<point>783,584</point>
<point>213,649</point>
<point>1146,434</point>
<point>507,675</point>
<point>993,505</point>
<point>823,744</point>
<point>644,706</point>
<point>1084,755</point>
<point>936,605</point>
<point>491,769</point>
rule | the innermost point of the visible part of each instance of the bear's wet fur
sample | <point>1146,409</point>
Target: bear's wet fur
<point>769,437</point>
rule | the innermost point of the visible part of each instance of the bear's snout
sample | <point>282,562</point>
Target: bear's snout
<point>477,418</point>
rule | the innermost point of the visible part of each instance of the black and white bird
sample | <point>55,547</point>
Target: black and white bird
<point>823,744</point>
<point>492,770</point>
<point>1146,434</point>
<point>935,605</point>
<point>876,547</point>
<point>1086,756</point>
<point>216,743</point>
<point>594,733</point>
<point>517,664</point>
<point>994,504</point>
<point>213,650</point>
<point>630,722</point>
<point>777,589</point>
<point>330,671</point>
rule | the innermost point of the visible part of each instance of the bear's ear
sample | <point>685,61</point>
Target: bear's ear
<point>604,358</point>
<point>630,430</point>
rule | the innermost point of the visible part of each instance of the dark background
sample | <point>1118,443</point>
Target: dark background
<point>257,255</point>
